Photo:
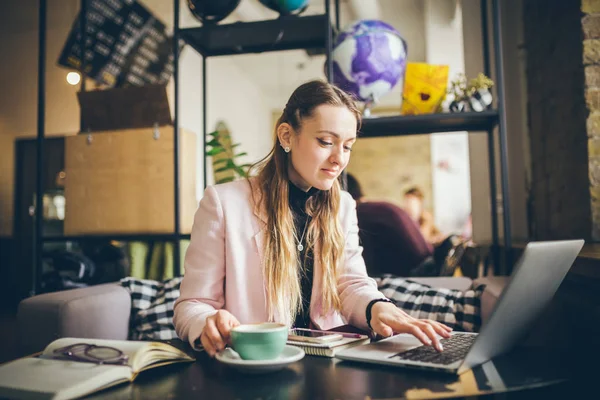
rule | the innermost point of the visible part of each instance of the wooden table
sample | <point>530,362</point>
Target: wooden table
<point>521,374</point>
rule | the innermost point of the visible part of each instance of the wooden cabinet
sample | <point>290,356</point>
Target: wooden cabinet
<point>121,182</point>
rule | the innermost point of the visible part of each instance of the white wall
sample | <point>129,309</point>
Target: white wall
<point>449,151</point>
<point>231,98</point>
<point>243,105</point>
<point>408,17</point>
<point>279,73</point>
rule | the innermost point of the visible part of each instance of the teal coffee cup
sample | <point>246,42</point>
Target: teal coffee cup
<point>263,341</point>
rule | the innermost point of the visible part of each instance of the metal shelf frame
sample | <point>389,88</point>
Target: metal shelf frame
<point>118,236</point>
<point>284,33</point>
<point>428,123</point>
<point>219,40</point>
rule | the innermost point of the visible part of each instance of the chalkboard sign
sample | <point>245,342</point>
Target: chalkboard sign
<point>125,45</point>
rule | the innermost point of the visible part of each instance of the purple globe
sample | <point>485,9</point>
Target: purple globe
<point>369,59</point>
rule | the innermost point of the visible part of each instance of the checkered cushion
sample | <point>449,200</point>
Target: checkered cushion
<point>152,304</point>
<point>460,310</point>
<point>152,308</point>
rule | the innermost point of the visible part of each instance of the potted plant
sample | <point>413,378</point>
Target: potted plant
<point>474,94</point>
<point>224,156</point>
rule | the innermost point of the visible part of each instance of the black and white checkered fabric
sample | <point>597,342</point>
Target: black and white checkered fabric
<point>460,310</point>
<point>152,308</point>
<point>152,304</point>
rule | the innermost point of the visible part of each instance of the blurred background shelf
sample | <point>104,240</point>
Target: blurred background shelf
<point>285,33</point>
<point>428,123</point>
<point>118,237</point>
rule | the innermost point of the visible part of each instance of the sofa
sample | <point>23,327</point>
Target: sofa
<point>104,311</point>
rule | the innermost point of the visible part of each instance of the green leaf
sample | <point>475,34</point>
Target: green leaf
<point>223,169</point>
<point>226,179</point>
<point>215,151</point>
<point>240,171</point>
<point>226,162</point>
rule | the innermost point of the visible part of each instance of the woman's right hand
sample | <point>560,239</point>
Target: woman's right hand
<point>216,332</point>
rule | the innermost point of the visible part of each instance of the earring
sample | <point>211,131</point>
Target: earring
<point>286,149</point>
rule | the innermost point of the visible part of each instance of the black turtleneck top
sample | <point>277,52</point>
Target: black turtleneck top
<point>297,200</point>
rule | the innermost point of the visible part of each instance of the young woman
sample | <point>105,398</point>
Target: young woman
<point>283,246</point>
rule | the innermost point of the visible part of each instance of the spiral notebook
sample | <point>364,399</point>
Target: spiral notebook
<point>331,348</point>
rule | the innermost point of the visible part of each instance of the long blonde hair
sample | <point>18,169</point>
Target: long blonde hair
<point>281,266</point>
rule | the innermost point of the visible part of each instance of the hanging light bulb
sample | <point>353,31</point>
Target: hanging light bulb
<point>73,78</point>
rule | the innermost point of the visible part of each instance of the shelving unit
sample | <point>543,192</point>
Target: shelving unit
<point>119,237</point>
<point>258,37</point>
<point>429,123</point>
<point>315,33</point>
<point>312,33</point>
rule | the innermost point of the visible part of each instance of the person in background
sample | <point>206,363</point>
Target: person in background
<point>283,245</point>
<point>460,247</point>
<point>392,241</point>
<point>414,205</point>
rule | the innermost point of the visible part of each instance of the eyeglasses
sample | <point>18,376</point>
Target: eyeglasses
<point>91,353</point>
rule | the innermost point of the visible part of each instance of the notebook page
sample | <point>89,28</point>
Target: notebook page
<point>43,378</point>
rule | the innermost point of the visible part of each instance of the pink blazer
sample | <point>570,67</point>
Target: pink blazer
<point>223,266</point>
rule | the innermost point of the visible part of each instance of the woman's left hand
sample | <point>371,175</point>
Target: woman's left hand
<point>386,319</point>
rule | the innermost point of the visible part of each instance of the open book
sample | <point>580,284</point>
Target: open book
<point>329,349</point>
<point>52,376</point>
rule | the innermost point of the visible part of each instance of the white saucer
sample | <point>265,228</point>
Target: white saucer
<point>289,355</point>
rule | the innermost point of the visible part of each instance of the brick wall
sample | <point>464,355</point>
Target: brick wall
<point>387,166</point>
<point>591,60</point>
<point>558,102</point>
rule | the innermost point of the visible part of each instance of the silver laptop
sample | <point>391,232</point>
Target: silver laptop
<point>536,277</point>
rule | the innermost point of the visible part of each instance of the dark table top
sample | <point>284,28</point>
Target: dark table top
<point>521,374</point>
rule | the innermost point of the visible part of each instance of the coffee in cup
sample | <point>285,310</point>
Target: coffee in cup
<point>264,341</point>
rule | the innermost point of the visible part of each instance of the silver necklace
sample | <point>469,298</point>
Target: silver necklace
<point>300,247</point>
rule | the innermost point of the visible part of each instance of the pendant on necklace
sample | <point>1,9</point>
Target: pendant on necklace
<point>300,247</point>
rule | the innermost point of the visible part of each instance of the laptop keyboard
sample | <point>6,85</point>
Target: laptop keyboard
<point>455,349</point>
